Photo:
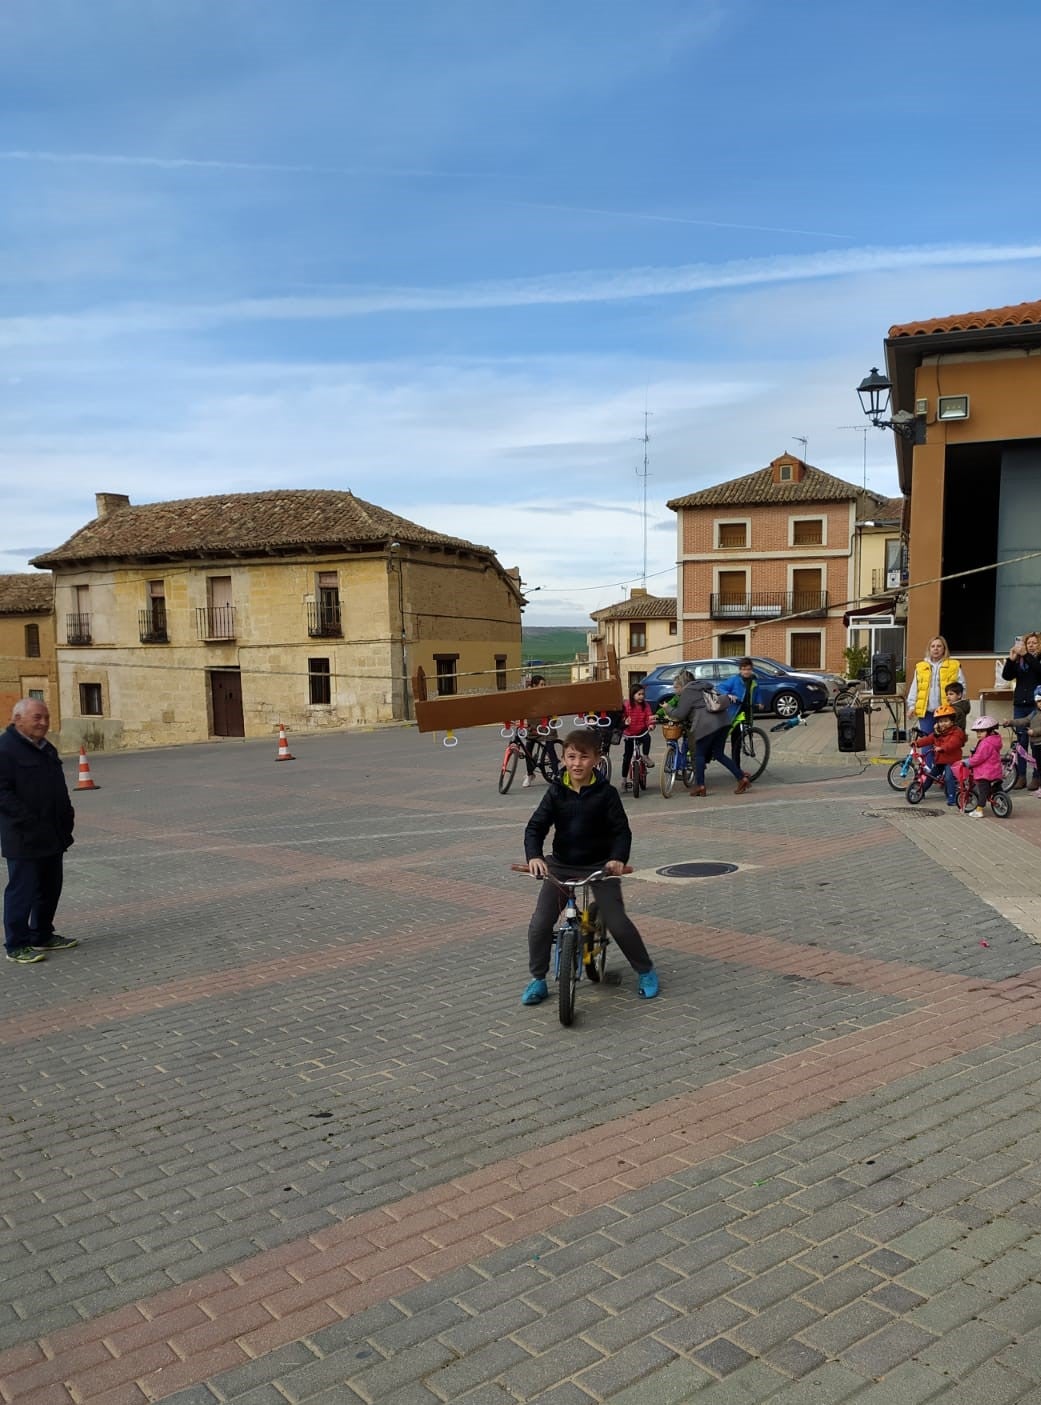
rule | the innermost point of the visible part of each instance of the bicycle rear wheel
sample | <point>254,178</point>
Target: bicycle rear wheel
<point>549,759</point>
<point>567,977</point>
<point>638,775</point>
<point>509,769</point>
<point>603,766</point>
<point>1008,770</point>
<point>594,947</point>
<point>667,774</point>
<point>755,752</point>
<point>1001,804</point>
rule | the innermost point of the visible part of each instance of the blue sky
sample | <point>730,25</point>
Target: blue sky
<point>446,255</point>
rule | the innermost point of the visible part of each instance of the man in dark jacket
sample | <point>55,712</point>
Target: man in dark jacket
<point>36,819</point>
<point>590,832</point>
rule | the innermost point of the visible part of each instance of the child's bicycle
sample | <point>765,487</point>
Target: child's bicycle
<point>901,773</point>
<point>999,802</point>
<point>1016,752</point>
<point>580,939</point>
<point>638,765</point>
<point>542,749</point>
<point>920,771</point>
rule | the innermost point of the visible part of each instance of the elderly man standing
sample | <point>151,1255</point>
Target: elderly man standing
<point>36,819</point>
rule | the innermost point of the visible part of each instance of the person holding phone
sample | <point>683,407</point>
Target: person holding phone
<point>1022,669</point>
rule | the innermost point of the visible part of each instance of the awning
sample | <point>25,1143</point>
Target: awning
<point>883,607</point>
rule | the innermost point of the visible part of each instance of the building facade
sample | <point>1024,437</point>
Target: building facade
<point>225,616</point>
<point>972,382</point>
<point>771,563</point>
<point>643,632</point>
<point>27,656</point>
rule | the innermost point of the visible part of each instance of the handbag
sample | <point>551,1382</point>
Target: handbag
<point>713,701</point>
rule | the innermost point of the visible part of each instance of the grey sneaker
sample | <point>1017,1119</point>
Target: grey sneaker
<point>25,956</point>
<point>55,943</point>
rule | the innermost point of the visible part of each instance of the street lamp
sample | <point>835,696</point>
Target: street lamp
<point>876,392</point>
<point>395,548</point>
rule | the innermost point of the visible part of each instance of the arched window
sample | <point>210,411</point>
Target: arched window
<point>32,641</point>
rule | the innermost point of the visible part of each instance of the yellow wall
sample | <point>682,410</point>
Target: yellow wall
<point>18,673</point>
<point>159,693</point>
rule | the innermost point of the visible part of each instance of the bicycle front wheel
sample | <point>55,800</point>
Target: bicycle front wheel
<point>603,767</point>
<point>509,770</point>
<point>900,775</point>
<point>755,752</point>
<point>667,774</point>
<point>567,978</point>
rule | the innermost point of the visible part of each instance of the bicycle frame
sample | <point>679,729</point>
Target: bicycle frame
<point>1015,753</point>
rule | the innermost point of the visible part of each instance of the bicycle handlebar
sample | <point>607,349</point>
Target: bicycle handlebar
<point>598,876</point>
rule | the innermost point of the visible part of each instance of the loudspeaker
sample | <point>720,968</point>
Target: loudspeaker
<point>851,728</point>
<point>883,674</point>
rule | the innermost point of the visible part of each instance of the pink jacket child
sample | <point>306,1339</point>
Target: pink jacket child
<point>985,760</point>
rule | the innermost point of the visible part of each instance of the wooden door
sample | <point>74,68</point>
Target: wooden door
<point>807,589</point>
<point>226,700</point>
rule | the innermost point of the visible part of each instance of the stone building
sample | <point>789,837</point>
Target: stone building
<point>224,616</point>
<point>27,656</point>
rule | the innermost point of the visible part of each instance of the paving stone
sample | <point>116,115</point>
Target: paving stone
<point>897,1341</point>
<point>961,1351</point>
<point>910,1383</point>
<point>721,1356</point>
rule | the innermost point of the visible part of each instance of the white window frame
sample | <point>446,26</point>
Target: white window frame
<point>807,629</point>
<point>718,522</point>
<point>807,565</point>
<point>809,546</point>
<point>740,613</point>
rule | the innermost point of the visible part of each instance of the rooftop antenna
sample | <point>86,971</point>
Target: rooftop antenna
<point>801,439</point>
<point>645,439</point>
<point>861,429</point>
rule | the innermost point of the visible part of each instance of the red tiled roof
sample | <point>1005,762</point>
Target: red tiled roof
<point>639,607</point>
<point>27,594</point>
<point>243,524</point>
<point>1020,314</point>
<point>759,487</point>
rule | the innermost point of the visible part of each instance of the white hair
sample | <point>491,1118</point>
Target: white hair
<point>23,705</point>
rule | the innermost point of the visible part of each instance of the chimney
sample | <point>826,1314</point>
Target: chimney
<point>637,590</point>
<point>110,502</point>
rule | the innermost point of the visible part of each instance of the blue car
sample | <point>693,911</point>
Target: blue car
<point>780,690</point>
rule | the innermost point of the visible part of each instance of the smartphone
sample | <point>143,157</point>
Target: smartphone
<point>1017,643</point>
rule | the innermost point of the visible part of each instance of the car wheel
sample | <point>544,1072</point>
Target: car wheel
<point>787,705</point>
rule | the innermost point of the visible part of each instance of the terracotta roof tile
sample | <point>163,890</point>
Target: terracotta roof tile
<point>639,607</point>
<point>759,487</point>
<point>1020,314</point>
<point>27,594</point>
<point>241,524</point>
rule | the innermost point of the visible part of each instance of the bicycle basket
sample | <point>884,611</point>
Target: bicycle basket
<point>672,731</point>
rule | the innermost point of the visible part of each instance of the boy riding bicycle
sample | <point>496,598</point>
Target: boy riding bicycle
<point>590,832</point>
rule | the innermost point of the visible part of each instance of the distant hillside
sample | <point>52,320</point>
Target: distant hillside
<point>552,643</point>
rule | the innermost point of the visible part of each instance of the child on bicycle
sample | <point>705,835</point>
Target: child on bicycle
<point>637,721</point>
<point>590,832</point>
<point>985,763</point>
<point>949,741</point>
<point>535,681</point>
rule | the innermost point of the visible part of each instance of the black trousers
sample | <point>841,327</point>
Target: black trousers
<point>608,899</point>
<point>31,900</point>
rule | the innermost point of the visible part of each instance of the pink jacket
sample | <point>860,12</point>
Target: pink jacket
<point>986,758</point>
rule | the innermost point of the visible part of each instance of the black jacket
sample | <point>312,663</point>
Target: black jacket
<point>1026,673</point>
<point>590,825</point>
<point>36,814</point>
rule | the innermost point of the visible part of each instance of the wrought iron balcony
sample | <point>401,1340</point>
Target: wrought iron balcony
<point>151,625</point>
<point>214,622</point>
<point>77,629</point>
<point>767,604</point>
<point>323,620</point>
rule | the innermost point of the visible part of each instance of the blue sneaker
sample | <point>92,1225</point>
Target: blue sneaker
<point>648,984</point>
<point>538,991</point>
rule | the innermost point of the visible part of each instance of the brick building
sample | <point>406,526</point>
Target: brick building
<point>770,564</point>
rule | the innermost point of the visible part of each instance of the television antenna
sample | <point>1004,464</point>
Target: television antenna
<point>801,439</point>
<point>644,439</point>
<point>861,429</point>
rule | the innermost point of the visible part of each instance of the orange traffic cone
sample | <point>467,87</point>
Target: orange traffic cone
<point>85,781</point>
<point>284,754</point>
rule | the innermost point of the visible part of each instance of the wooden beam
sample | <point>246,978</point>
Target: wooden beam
<point>563,700</point>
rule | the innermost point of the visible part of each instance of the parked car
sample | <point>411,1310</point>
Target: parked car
<point>781,690</point>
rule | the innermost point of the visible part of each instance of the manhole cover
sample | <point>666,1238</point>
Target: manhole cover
<point>907,810</point>
<point>695,870</point>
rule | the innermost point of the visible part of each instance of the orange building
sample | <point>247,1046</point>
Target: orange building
<point>973,384</point>
<point>28,667</point>
<point>770,564</point>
